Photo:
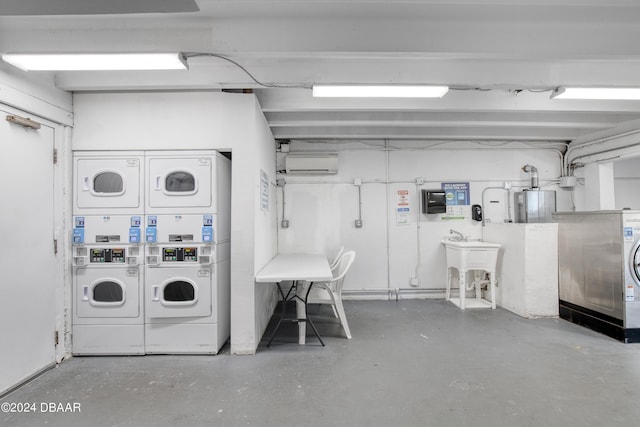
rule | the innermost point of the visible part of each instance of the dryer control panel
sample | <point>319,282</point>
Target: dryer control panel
<point>115,255</point>
<point>180,254</point>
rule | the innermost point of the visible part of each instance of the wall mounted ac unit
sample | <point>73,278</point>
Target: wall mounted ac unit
<point>312,164</point>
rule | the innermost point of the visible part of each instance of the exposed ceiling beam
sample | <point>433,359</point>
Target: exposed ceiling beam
<point>462,101</point>
<point>587,120</point>
<point>425,133</point>
<point>88,7</point>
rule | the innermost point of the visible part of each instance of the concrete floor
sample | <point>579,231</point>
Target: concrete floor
<point>410,363</point>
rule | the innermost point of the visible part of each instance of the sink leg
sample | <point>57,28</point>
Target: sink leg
<point>477,282</point>
<point>492,291</point>
<point>447,293</point>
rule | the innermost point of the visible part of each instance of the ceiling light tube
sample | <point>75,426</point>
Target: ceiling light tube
<point>378,91</point>
<point>595,93</point>
<point>96,61</point>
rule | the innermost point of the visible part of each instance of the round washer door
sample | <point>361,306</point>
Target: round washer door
<point>634,263</point>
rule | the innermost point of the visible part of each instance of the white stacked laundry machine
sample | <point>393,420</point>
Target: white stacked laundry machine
<point>108,209</point>
<point>178,243</point>
<point>187,271</point>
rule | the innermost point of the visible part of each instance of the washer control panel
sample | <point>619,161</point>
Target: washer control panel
<point>180,254</point>
<point>115,255</point>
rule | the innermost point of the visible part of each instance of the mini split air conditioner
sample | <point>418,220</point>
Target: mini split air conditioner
<point>312,164</point>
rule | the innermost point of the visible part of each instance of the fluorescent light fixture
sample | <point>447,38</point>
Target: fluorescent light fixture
<point>96,61</point>
<point>377,91</point>
<point>612,93</point>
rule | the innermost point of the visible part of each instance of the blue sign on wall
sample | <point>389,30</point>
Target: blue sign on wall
<point>456,193</point>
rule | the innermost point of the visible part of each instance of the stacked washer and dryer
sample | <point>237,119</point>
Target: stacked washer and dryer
<point>163,288</point>
<point>187,271</point>
<point>108,208</point>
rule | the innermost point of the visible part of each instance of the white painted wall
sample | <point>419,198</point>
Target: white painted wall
<point>627,183</point>
<point>599,186</point>
<point>322,210</point>
<point>262,152</point>
<point>35,94</point>
<point>202,120</point>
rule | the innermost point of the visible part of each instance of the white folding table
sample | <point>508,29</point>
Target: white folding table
<point>302,269</point>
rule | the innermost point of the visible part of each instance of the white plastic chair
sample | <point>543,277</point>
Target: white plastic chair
<point>333,266</point>
<point>331,292</point>
<point>335,261</point>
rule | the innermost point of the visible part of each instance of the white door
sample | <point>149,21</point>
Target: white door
<point>105,183</point>
<point>28,263</point>
<point>180,182</point>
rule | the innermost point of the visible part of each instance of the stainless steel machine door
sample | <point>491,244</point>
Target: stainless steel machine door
<point>634,263</point>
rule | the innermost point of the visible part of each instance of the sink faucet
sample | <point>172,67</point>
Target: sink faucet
<point>458,237</point>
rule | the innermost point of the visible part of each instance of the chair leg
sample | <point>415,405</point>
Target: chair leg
<point>335,313</point>
<point>301,312</point>
<point>343,317</point>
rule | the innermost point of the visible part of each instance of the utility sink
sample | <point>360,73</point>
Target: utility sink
<point>466,255</point>
<point>471,254</point>
<point>470,243</point>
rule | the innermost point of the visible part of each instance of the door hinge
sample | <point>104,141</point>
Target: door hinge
<point>55,246</point>
<point>56,337</point>
<point>55,156</point>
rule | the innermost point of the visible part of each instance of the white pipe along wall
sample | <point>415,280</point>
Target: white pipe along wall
<point>621,141</point>
<point>398,253</point>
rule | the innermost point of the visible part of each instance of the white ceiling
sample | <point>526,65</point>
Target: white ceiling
<point>502,59</point>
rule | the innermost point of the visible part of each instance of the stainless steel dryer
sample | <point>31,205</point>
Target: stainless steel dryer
<point>599,271</point>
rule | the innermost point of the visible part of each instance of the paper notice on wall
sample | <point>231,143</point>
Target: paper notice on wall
<point>264,191</point>
<point>403,207</point>
<point>457,212</point>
